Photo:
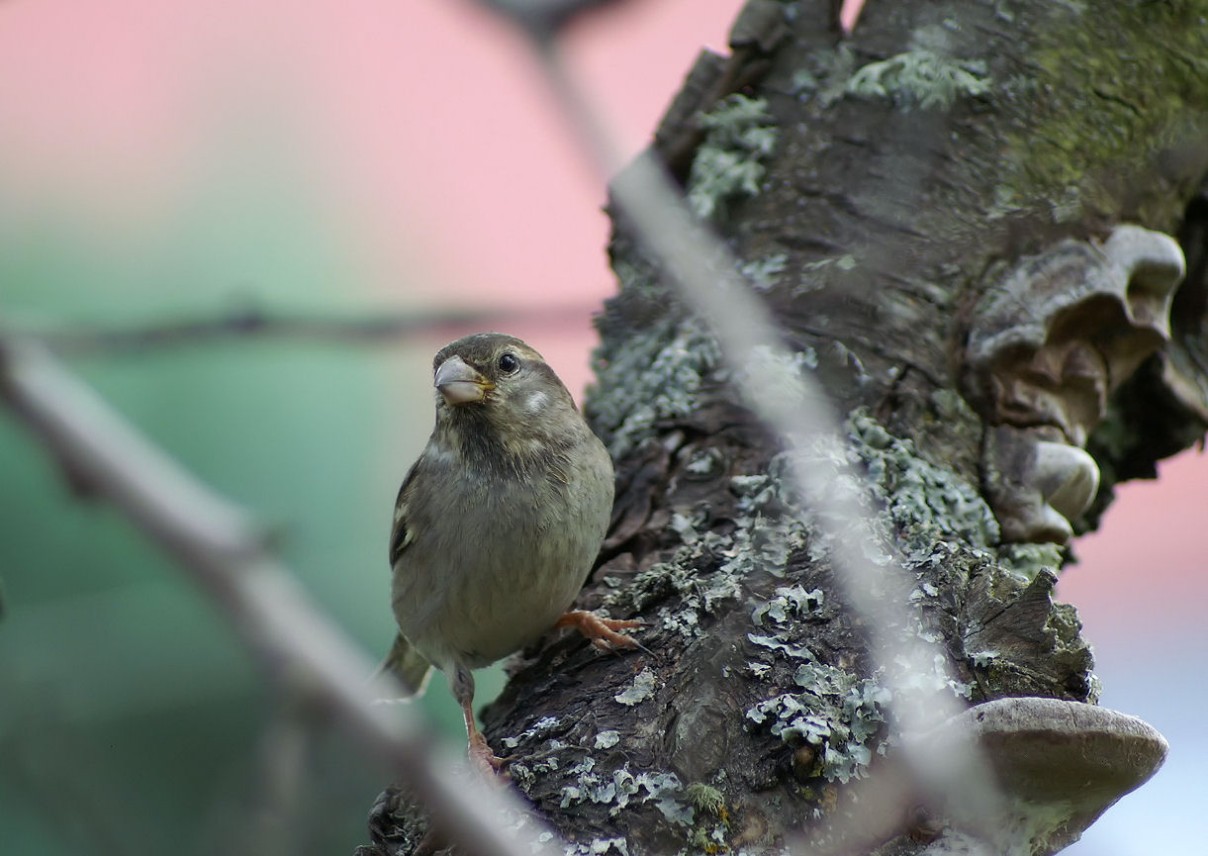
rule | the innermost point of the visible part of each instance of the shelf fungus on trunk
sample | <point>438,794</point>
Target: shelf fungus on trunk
<point>1046,346</point>
<point>1055,766</point>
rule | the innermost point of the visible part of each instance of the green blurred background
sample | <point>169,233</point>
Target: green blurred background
<point>130,720</point>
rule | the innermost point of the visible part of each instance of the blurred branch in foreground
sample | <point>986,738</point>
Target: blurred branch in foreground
<point>302,652</point>
<point>381,327</point>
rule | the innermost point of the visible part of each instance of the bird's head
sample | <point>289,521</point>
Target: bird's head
<point>498,378</point>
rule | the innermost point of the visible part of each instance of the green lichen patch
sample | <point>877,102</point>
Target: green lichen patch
<point>920,78</point>
<point>926,502</point>
<point>740,135</point>
<point>807,687</point>
<point>777,368</point>
<point>812,275</point>
<point>834,711</point>
<point>773,526</point>
<point>656,377</point>
<point>686,589</point>
<point>712,567</point>
<point>1028,560</point>
<point>621,788</point>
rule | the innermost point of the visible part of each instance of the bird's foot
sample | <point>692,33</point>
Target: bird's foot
<point>485,760</point>
<point>604,633</point>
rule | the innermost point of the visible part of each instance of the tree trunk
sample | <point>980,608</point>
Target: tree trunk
<point>960,218</point>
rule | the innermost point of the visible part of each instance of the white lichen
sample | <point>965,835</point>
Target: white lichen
<point>537,730</point>
<point>920,78</point>
<point>763,273</point>
<point>834,711</point>
<point>740,134</point>
<point>641,688</point>
<point>926,501</point>
<point>597,847</point>
<point>656,377</point>
<point>623,787</point>
<point>790,603</point>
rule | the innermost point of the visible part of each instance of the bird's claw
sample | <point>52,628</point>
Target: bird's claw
<point>604,633</point>
<point>485,760</point>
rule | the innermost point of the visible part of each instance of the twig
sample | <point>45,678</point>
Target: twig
<point>376,328</point>
<point>224,553</point>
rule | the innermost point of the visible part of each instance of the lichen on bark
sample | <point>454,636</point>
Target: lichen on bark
<point>873,226</point>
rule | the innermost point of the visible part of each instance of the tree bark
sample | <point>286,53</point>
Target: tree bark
<point>957,215</point>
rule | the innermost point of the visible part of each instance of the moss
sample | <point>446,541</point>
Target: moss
<point>1109,87</point>
<point>711,830</point>
<point>920,78</point>
<point>706,799</point>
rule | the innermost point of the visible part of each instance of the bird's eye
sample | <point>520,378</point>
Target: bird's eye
<point>509,363</point>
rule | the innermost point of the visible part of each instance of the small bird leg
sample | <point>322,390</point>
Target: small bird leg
<point>601,631</point>
<point>461,681</point>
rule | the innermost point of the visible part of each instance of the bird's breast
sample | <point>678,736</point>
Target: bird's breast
<point>506,560</point>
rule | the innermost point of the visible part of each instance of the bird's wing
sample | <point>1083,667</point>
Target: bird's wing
<point>400,535</point>
<point>408,666</point>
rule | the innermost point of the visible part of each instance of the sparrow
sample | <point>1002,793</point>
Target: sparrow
<point>497,524</point>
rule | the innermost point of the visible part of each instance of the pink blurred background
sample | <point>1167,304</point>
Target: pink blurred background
<point>420,138</point>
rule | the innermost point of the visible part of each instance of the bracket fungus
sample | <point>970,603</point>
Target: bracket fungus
<point>1046,346</point>
<point>1058,766</point>
<point>1053,766</point>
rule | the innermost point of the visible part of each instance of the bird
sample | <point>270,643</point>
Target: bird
<point>497,524</point>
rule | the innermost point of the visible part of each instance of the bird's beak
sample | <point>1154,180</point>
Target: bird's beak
<point>460,384</point>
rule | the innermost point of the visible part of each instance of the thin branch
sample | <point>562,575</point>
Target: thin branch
<point>371,328</point>
<point>211,539</point>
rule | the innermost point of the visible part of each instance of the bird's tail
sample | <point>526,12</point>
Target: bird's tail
<point>407,666</point>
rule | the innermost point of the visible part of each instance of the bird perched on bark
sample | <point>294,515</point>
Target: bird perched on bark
<point>497,523</point>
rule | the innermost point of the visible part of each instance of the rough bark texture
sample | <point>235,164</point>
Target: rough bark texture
<point>883,192</point>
